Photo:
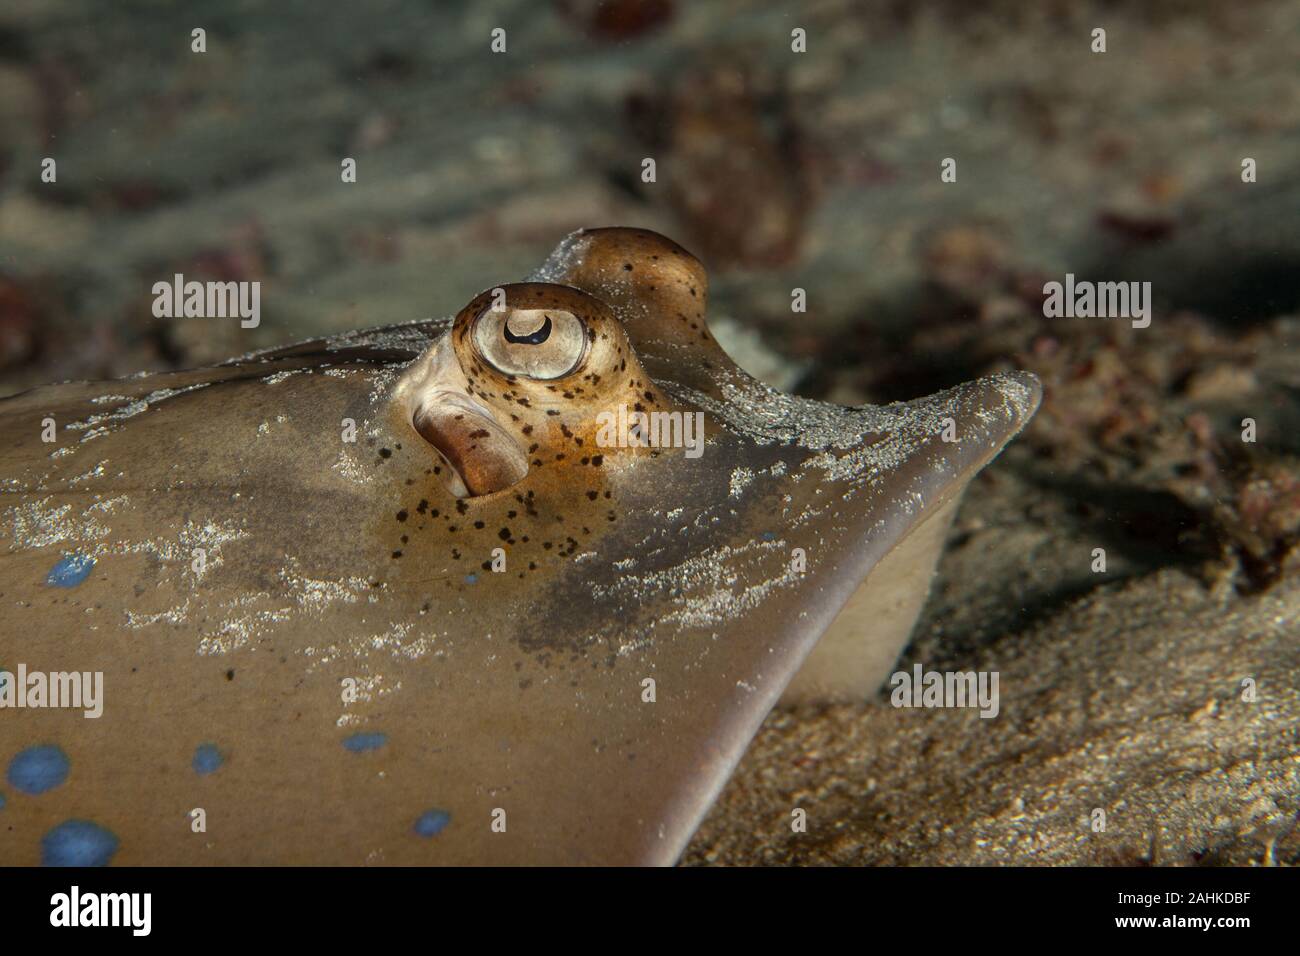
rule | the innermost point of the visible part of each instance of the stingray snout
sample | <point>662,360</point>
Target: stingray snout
<point>937,446</point>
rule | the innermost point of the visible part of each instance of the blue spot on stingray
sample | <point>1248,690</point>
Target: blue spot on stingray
<point>360,743</point>
<point>207,759</point>
<point>70,571</point>
<point>769,536</point>
<point>2,801</point>
<point>471,579</point>
<point>432,822</point>
<point>38,769</point>
<point>78,843</point>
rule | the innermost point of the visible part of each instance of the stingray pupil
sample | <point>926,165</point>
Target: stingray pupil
<point>532,338</point>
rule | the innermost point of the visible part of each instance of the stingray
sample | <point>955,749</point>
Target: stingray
<point>513,587</point>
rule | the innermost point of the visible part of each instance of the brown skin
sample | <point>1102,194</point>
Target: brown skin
<point>460,440</point>
<point>555,423</point>
<point>561,413</point>
<point>336,564</point>
<point>658,289</point>
<point>661,300</point>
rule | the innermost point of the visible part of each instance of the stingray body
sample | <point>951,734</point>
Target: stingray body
<point>407,596</point>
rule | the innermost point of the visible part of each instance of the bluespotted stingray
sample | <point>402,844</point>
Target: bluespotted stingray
<point>465,591</point>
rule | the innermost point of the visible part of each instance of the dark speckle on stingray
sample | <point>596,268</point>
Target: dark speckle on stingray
<point>563,515</point>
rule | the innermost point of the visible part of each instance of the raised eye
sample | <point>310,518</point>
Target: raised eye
<point>538,343</point>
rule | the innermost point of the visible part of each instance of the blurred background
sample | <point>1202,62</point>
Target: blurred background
<point>817,171</point>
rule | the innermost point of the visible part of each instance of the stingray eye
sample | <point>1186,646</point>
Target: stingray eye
<point>538,343</point>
